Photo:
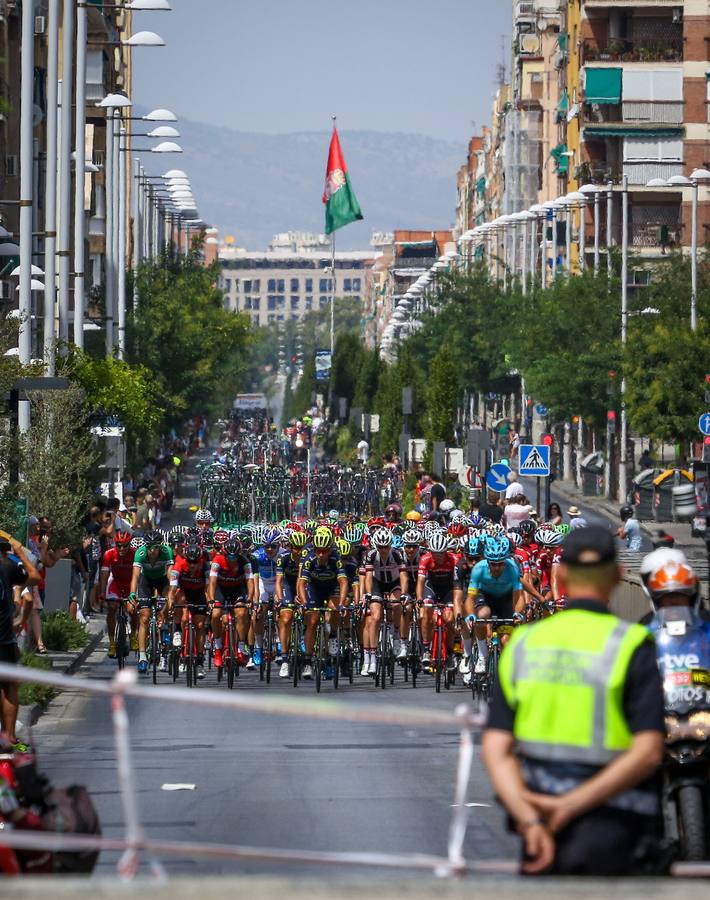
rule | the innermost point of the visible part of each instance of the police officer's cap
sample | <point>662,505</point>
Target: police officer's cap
<point>592,546</point>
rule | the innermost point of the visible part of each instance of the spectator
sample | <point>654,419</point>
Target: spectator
<point>576,520</point>
<point>16,568</point>
<point>646,460</point>
<point>128,483</point>
<point>630,530</point>
<point>78,585</point>
<point>491,509</point>
<point>143,520</point>
<point>515,488</point>
<point>437,493</point>
<point>554,514</point>
<point>113,505</point>
<point>517,510</point>
<point>363,451</point>
<point>474,504</point>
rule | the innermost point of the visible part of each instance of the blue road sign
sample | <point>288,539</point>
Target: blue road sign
<point>704,423</point>
<point>497,477</point>
<point>541,409</point>
<point>534,459</point>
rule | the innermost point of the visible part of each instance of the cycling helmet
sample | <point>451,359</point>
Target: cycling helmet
<point>246,538</point>
<point>456,514</point>
<point>207,540</point>
<point>174,539</point>
<point>563,529</point>
<point>475,545</point>
<point>310,525</point>
<point>411,538</point>
<point>515,538</point>
<point>123,538</point>
<point>548,537</point>
<point>454,543</point>
<point>413,516</point>
<point>231,547</point>
<point>270,537</point>
<point>382,538</point>
<point>438,542</point>
<point>322,539</point>
<point>496,548</point>
<point>154,538</point>
<point>353,533</point>
<point>396,541</point>
<point>342,546</point>
<point>393,511</point>
<point>446,506</point>
<point>667,571</point>
<point>527,528</point>
<point>333,515</point>
<point>297,539</point>
<point>458,529</point>
<point>193,552</point>
<point>475,520</point>
<point>204,515</point>
<point>221,536</point>
<point>495,529</point>
<point>192,535</point>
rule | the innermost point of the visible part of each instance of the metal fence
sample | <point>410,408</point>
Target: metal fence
<point>135,840</point>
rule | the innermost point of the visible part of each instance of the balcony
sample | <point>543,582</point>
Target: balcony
<point>639,172</point>
<point>662,49</point>
<point>637,112</point>
<point>655,226</point>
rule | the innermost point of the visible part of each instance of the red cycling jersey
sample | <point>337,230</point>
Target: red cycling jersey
<point>547,560</point>
<point>230,573</point>
<point>439,570</point>
<point>120,567</point>
<point>190,577</point>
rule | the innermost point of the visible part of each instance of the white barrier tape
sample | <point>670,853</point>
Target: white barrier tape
<point>304,705</point>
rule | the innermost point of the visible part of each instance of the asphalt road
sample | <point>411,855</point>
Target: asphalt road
<point>274,781</point>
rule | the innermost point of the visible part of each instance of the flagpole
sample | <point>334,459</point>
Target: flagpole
<point>332,296</point>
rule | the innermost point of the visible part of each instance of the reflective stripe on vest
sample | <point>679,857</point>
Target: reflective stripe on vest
<point>564,677</point>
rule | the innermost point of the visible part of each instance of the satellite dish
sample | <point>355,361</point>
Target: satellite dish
<point>529,43</point>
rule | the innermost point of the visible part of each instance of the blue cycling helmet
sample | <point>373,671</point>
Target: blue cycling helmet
<point>476,521</point>
<point>497,548</point>
<point>270,537</point>
<point>475,545</point>
<point>396,542</point>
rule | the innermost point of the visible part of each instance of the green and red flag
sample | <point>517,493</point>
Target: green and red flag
<point>341,206</point>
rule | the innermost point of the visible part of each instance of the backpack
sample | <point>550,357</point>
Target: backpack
<point>71,811</point>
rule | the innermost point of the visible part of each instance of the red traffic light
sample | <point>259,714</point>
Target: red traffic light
<point>706,440</point>
<point>611,416</point>
<point>547,440</point>
<point>707,378</point>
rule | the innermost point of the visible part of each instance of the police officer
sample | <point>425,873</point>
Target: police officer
<point>576,728</point>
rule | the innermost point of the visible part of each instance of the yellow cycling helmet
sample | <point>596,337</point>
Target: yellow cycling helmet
<point>297,539</point>
<point>413,516</point>
<point>322,539</point>
<point>343,546</point>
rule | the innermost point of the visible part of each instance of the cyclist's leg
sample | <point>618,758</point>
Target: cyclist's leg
<point>427,622</point>
<point>482,610</point>
<point>373,619</point>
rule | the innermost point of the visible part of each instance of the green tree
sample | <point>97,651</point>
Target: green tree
<point>441,398</point>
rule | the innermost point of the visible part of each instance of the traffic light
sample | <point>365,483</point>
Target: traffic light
<point>547,439</point>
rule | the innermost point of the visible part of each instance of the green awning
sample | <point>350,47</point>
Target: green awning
<point>481,186</point>
<point>558,153</point>
<point>599,131</point>
<point>602,85</point>
<point>562,41</point>
<point>563,105</point>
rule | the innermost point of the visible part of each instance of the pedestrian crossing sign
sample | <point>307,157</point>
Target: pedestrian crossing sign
<point>534,459</point>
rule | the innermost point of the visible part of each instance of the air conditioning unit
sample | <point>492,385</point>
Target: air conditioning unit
<point>40,24</point>
<point>525,9</point>
<point>11,167</point>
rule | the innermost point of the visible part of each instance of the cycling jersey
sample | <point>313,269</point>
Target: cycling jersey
<point>352,571</point>
<point>439,571</point>
<point>154,572</point>
<point>120,569</point>
<point>190,577</point>
<point>289,567</point>
<point>482,581</point>
<point>462,573</point>
<point>231,574</point>
<point>264,566</point>
<point>385,572</point>
<point>411,567</point>
<point>328,574</point>
<point>547,560</point>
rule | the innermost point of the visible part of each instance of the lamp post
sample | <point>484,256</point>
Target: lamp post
<point>26,201</point>
<point>623,489</point>
<point>79,176</point>
<point>593,190</point>
<point>50,185</point>
<point>64,165</point>
<point>609,223</point>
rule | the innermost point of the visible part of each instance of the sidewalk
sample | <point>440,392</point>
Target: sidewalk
<point>65,663</point>
<point>681,531</point>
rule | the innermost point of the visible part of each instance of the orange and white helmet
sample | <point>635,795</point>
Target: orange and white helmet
<point>667,571</point>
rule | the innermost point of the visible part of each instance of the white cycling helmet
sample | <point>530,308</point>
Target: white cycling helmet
<point>204,515</point>
<point>446,506</point>
<point>382,538</point>
<point>456,514</point>
<point>438,542</point>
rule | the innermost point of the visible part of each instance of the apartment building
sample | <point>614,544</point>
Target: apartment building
<point>644,76</point>
<point>292,277</point>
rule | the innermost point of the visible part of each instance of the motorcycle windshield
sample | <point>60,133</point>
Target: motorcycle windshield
<point>683,655</point>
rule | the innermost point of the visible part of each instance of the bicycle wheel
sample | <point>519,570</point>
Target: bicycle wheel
<point>154,648</point>
<point>381,665</point>
<point>318,657</point>
<point>295,651</point>
<point>338,659</point>
<point>231,660</point>
<point>120,639</point>
<point>189,655</point>
<point>437,660</point>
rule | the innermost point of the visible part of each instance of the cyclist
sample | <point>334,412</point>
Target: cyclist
<point>188,584</point>
<point>116,574</point>
<point>203,519</point>
<point>435,585</point>
<point>151,565</point>
<point>496,590</point>
<point>264,564</point>
<point>463,604</point>
<point>322,576</point>
<point>231,573</point>
<point>548,561</point>
<point>288,567</point>
<point>385,576</point>
<point>411,544</point>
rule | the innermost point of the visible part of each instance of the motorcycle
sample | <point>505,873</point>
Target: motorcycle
<point>683,653</point>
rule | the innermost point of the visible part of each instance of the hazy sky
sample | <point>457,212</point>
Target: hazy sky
<point>281,66</point>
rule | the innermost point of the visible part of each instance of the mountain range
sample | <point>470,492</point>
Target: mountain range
<point>253,186</point>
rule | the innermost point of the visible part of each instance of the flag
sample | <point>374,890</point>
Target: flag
<point>341,206</point>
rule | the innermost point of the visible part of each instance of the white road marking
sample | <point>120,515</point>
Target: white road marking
<point>178,787</point>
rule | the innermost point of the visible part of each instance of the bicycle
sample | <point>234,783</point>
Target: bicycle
<point>384,652</point>
<point>154,646</point>
<point>188,653</point>
<point>413,659</point>
<point>122,633</point>
<point>230,655</point>
<point>267,650</point>
<point>482,683</point>
<point>296,642</point>
<point>320,650</point>
<point>439,650</point>
<point>346,638</point>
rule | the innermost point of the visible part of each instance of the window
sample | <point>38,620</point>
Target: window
<point>356,298</point>
<point>94,74</point>
<point>255,303</point>
<point>309,285</point>
<point>236,285</point>
<point>356,284</point>
<point>347,285</point>
<point>272,301</point>
<point>228,284</point>
<point>248,303</point>
<point>295,286</point>
<point>323,302</point>
<point>279,318</point>
<point>653,149</point>
<point>280,286</point>
<point>255,321</point>
<point>247,286</point>
<point>653,85</point>
<point>256,285</point>
<point>325,285</point>
<point>309,303</point>
<point>294,301</point>
<point>271,319</point>
<point>272,286</point>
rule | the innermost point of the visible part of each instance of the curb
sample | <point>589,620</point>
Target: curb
<point>29,715</point>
